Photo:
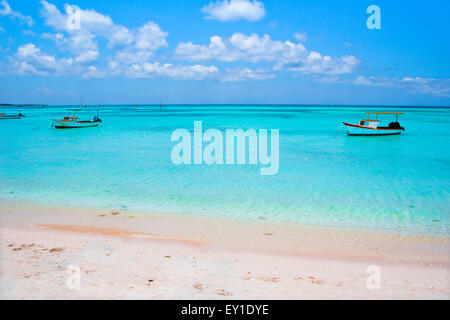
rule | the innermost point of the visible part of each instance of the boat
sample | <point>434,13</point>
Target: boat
<point>371,127</point>
<point>11,116</point>
<point>78,118</point>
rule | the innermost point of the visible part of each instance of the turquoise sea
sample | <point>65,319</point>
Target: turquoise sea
<point>392,184</point>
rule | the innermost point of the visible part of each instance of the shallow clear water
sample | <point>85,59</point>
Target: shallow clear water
<point>392,183</point>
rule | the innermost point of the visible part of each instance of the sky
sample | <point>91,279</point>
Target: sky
<point>225,52</point>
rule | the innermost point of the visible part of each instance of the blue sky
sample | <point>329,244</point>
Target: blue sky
<point>226,51</point>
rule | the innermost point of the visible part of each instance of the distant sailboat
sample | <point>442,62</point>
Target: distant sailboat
<point>81,103</point>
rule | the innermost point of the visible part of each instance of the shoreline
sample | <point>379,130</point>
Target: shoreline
<point>382,231</point>
<point>328,254</point>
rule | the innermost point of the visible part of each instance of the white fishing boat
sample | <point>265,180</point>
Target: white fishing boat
<point>78,118</point>
<point>371,127</point>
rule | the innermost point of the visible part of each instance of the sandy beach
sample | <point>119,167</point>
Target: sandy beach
<point>224,149</point>
<point>124,255</point>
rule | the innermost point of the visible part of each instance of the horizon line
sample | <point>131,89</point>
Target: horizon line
<point>228,104</point>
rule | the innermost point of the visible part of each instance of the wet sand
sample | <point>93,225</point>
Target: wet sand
<point>131,255</point>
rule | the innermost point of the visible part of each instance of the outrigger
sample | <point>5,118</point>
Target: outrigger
<point>370,127</point>
<point>72,121</point>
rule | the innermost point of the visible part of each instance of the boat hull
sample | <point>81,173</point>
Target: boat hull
<point>10,117</point>
<point>74,125</point>
<point>357,130</point>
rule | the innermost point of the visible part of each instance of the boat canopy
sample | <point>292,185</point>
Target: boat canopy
<point>385,112</point>
<point>83,110</point>
<point>396,114</point>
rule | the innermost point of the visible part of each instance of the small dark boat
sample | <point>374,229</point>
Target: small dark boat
<point>11,116</point>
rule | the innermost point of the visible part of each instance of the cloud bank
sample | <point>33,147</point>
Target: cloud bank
<point>136,52</point>
<point>252,48</point>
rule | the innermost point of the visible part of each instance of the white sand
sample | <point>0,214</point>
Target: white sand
<point>129,256</point>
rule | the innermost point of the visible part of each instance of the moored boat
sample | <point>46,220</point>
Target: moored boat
<point>11,116</point>
<point>371,127</point>
<point>73,120</point>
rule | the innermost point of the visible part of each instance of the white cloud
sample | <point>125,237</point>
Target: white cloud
<point>363,81</point>
<point>81,38</point>
<point>315,63</point>
<point>87,56</point>
<point>81,43</point>
<point>195,72</point>
<point>89,20</point>
<point>132,49</point>
<point>93,73</point>
<point>418,85</point>
<point>150,70</point>
<point>30,60</point>
<point>7,11</point>
<point>150,36</point>
<point>231,10</point>
<point>380,82</point>
<point>285,55</point>
<point>132,56</point>
<point>58,38</point>
<point>436,87</point>
<point>245,74</point>
<point>240,47</point>
<point>25,69</point>
<point>300,36</point>
<point>132,52</point>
